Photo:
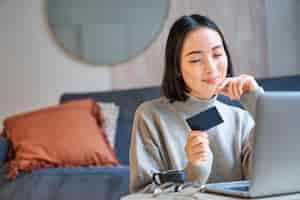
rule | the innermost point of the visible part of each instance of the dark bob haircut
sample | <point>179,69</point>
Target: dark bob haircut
<point>173,86</point>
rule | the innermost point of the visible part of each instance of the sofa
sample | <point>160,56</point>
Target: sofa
<point>107,183</point>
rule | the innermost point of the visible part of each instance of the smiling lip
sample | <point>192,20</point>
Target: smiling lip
<point>212,81</point>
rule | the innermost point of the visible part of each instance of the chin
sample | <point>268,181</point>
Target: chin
<point>206,92</point>
<point>211,95</point>
<point>210,91</point>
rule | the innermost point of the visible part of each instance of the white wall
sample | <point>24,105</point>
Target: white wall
<point>283,27</point>
<point>33,71</point>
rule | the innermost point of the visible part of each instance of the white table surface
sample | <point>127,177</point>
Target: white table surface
<point>201,196</point>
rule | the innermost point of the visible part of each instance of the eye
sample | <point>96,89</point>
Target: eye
<point>218,55</point>
<point>195,61</point>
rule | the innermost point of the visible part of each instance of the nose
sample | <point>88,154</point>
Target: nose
<point>210,66</point>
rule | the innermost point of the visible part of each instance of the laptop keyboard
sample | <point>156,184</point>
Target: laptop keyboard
<point>240,188</point>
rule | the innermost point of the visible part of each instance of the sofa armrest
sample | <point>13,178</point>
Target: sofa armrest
<point>4,146</point>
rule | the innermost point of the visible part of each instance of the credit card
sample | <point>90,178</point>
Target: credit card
<point>205,120</point>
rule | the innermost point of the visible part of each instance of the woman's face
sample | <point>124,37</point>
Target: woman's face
<point>203,62</point>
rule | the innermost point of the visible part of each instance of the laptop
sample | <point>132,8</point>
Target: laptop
<point>276,156</point>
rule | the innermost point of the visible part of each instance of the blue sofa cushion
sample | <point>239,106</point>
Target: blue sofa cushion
<point>4,146</point>
<point>283,83</point>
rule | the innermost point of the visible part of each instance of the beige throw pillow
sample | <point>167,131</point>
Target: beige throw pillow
<point>110,112</point>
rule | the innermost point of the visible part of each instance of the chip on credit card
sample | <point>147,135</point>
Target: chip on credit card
<point>205,120</point>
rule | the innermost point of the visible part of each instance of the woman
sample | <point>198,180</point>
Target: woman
<point>197,68</point>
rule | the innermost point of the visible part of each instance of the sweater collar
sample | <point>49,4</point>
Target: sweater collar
<point>193,105</point>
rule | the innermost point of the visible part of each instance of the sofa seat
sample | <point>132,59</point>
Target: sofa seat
<point>66,183</point>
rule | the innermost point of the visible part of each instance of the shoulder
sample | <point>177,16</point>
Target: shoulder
<point>148,117</point>
<point>154,106</point>
<point>237,117</point>
<point>237,113</point>
<point>229,108</point>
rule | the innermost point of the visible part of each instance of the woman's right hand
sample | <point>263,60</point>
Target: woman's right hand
<point>197,148</point>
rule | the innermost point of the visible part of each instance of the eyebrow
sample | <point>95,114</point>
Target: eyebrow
<point>199,51</point>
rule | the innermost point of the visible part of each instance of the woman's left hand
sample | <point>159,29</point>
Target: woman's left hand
<point>235,87</point>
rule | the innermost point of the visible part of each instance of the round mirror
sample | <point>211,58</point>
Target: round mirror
<point>106,32</point>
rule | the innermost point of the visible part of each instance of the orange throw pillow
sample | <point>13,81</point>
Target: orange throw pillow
<point>66,135</point>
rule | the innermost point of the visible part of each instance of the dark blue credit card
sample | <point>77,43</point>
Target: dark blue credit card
<point>205,120</point>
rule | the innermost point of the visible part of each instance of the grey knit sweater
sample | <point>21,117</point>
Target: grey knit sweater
<point>160,133</point>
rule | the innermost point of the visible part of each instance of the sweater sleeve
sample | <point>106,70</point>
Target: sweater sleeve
<point>145,157</point>
<point>249,102</point>
<point>247,148</point>
<point>199,174</point>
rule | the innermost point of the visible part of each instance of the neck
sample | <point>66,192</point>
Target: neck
<point>199,96</point>
<point>194,104</point>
